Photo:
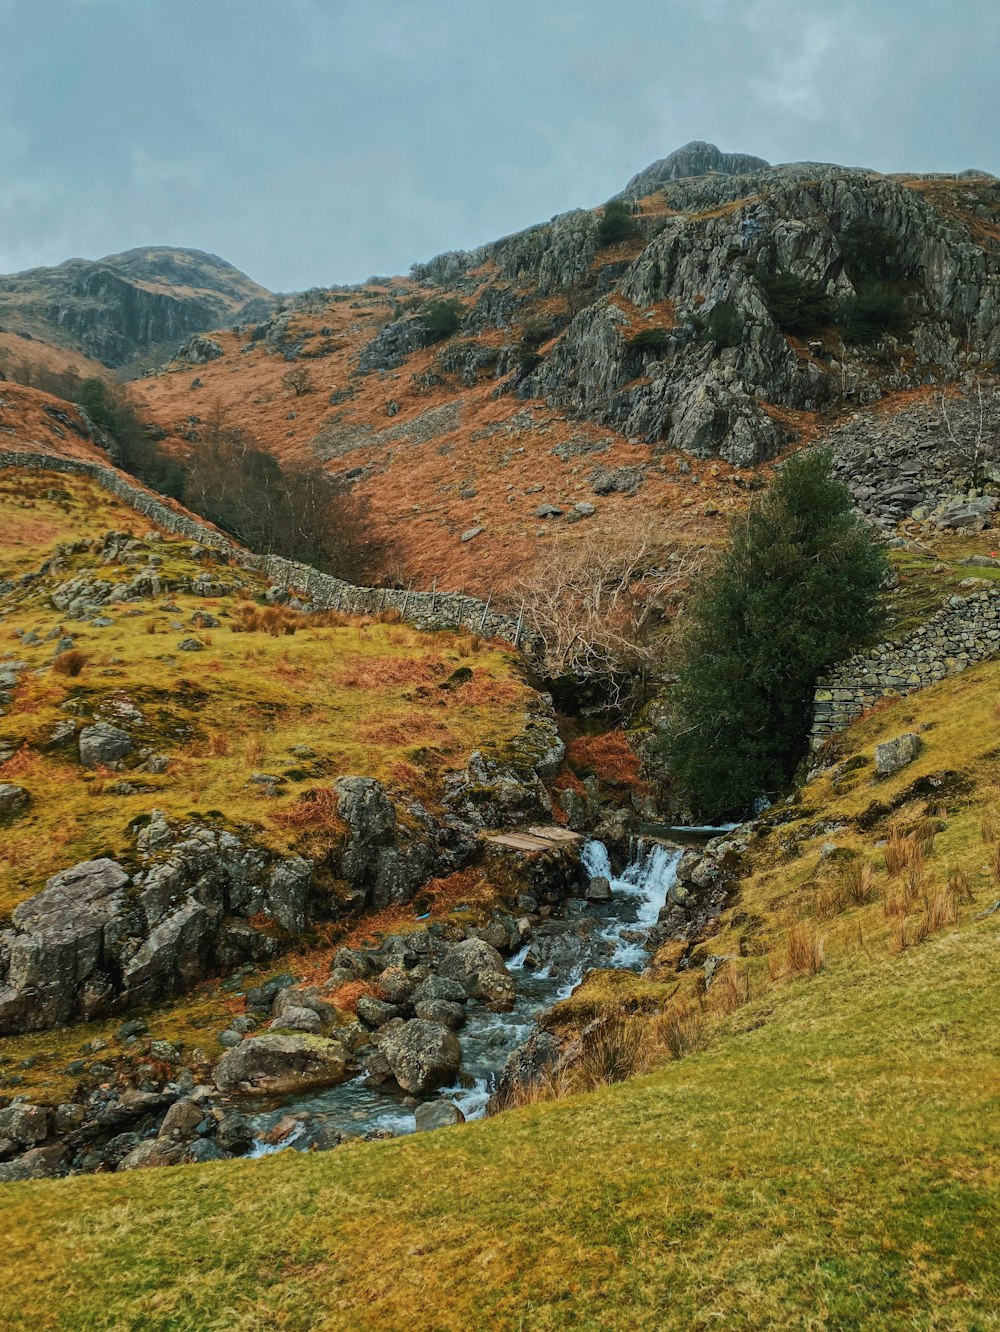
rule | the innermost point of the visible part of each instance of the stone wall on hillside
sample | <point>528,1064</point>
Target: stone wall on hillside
<point>423,610</point>
<point>963,632</point>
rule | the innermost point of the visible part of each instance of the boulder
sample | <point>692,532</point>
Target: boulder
<point>442,1011</point>
<point>895,754</point>
<point>298,1019</point>
<point>181,1121</point>
<point>103,744</point>
<point>480,970</point>
<point>422,1055</point>
<point>281,1064</point>
<point>436,1115</point>
<point>375,1012</point>
<point>24,1124</point>
<point>598,889</point>
<point>12,798</point>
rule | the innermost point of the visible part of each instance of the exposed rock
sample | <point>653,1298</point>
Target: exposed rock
<point>422,1055</point>
<point>437,1114</point>
<point>12,798</point>
<point>598,889</point>
<point>102,745</point>
<point>895,754</point>
<point>298,1019</point>
<point>24,1124</point>
<point>199,350</point>
<point>281,1064</point>
<point>380,858</point>
<point>480,970</point>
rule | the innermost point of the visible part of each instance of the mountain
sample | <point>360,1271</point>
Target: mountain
<point>126,307</point>
<point>745,311</point>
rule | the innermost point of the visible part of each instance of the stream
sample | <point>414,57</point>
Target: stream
<point>545,970</point>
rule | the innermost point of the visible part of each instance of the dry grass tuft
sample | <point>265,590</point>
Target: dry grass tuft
<point>730,989</point>
<point>253,750</point>
<point>940,911</point>
<point>803,955</point>
<point>315,810</point>
<point>218,744</point>
<point>960,886</point>
<point>680,1030</point>
<point>70,663</point>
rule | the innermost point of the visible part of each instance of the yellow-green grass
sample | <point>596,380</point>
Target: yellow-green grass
<point>829,1160</point>
<point>41,509</point>
<point>830,1163</point>
<point>928,575</point>
<point>367,698</point>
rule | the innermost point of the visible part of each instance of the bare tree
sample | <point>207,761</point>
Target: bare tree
<point>298,381</point>
<point>596,604</point>
<point>972,440</point>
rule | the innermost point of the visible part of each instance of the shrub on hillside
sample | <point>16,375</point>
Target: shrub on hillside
<point>878,309</point>
<point>796,305</point>
<point>654,340</point>
<point>722,326</point>
<point>71,662</point>
<point>798,588</point>
<point>617,224</point>
<point>441,319</point>
<point>871,253</point>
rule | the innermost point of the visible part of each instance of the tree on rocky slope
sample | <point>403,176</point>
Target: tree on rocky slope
<point>798,588</point>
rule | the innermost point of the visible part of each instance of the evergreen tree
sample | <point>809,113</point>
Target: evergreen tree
<point>797,590</point>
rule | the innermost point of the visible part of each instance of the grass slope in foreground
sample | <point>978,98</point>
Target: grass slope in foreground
<point>829,1161</point>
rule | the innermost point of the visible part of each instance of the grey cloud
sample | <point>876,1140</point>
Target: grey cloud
<point>315,141</point>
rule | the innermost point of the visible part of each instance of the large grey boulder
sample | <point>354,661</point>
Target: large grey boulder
<point>281,1064</point>
<point>895,754</point>
<point>12,798</point>
<point>422,1055</point>
<point>24,1124</point>
<point>480,969</point>
<point>437,1114</point>
<point>103,744</point>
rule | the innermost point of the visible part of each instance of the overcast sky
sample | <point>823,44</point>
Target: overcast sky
<point>319,141</point>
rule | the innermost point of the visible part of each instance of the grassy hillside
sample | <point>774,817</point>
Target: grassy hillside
<point>823,1157</point>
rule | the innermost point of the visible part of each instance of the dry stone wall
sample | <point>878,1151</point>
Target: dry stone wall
<point>963,632</point>
<point>423,610</point>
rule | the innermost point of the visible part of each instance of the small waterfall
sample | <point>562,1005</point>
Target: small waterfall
<point>615,937</point>
<point>647,879</point>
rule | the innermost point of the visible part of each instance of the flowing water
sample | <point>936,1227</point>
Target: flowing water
<point>608,934</point>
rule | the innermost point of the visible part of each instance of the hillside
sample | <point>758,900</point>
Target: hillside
<point>822,1154</point>
<point>126,308</point>
<point>498,403</point>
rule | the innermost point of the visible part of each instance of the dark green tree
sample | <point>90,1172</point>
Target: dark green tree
<point>798,589</point>
<point>132,447</point>
<point>877,309</point>
<point>617,224</point>
<point>796,304</point>
<point>441,319</point>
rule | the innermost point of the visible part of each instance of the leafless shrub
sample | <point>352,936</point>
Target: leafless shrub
<point>593,602</point>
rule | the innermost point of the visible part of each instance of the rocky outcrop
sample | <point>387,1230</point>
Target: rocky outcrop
<point>694,159</point>
<point>199,350</point>
<point>384,861</point>
<point>480,970</point>
<point>100,938</point>
<point>280,1064</point>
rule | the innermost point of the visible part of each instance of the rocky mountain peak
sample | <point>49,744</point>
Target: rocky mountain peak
<point>696,158</point>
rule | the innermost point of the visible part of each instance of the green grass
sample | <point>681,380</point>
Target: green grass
<point>832,1168</point>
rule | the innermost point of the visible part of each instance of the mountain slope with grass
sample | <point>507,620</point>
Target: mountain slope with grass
<point>813,1144</point>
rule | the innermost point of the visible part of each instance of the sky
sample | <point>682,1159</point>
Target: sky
<point>313,142</point>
